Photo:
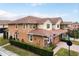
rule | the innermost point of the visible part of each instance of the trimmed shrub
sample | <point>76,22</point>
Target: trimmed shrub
<point>31,48</point>
<point>64,40</point>
<point>52,46</point>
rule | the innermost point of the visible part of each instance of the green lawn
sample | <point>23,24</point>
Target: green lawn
<point>19,51</point>
<point>3,41</point>
<point>75,42</point>
<point>64,52</point>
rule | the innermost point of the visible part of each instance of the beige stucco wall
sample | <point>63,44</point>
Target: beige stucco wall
<point>3,26</point>
<point>58,23</point>
<point>44,26</point>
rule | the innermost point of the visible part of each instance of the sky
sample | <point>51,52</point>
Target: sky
<point>13,11</point>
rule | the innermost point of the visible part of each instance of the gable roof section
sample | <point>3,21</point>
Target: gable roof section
<point>35,20</point>
<point>55,20</point>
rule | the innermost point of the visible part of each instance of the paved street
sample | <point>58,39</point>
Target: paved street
<point>5,52</point>
<point>64,45</point>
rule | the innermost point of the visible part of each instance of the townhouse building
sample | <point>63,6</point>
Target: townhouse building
<point>37,31</point>
<point>74,26</point>
<point>66,24</point>
<point>69,25</point>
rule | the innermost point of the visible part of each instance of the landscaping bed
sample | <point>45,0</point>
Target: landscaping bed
<point>65,52</point>
<point>3,41</point>
<point>75,42</point>
<point>19,51</point>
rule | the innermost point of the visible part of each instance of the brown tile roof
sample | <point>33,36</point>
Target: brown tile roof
<point>59,31</point>
<point>75,23</point>
<point>55,20</point>
<point>42,32</point>
<point>35,20</point>
<point>66,22</point>
<point>4,22</point>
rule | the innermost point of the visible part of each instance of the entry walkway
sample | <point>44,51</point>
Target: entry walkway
<point>64,45</point>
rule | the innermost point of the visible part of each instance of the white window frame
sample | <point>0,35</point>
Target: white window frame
<point>48,26</point>
<point>30,37</point>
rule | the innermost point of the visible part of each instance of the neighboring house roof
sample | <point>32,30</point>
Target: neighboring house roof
<point>75,23</point>
<point>42,32</point>
<point>65,22</point>
<point>4,22</point>
<point>35,20</point>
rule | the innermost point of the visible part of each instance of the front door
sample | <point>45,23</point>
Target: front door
<point>46,42</point>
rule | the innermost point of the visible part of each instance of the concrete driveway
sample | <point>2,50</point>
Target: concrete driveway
<point>64,45</point>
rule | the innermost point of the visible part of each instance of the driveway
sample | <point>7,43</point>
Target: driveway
<point>64,45</point>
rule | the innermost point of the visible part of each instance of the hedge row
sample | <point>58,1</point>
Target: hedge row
<point>31,48</point>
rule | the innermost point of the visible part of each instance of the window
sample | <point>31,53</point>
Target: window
<point>16,35</point>
<point>16,26</point>
<point>34,26</point>
<point>52,25</point>
<point>30,26</point>
<point>48,25</point>
<point>57,26</point>
<point>30,38</point>
<point>24,26</point>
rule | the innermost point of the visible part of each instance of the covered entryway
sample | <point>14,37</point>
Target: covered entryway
<point>47,42</point>
<point>4,33</point>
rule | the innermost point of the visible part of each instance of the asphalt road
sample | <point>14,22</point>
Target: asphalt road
<point>4,52</point>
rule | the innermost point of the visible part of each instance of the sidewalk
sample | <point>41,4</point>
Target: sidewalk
<point>5,45</point>
<point>74,39</point>
<point>64,45</point>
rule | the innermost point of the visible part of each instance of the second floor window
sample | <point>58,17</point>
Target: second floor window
<point>57,26</point>
<point>16,26</point>
<point>48,25</point>
<point>24,26</point>
<point>34,26</point>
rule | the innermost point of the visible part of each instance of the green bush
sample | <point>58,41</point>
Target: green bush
<point>74,34</point>
<point>50,47</point>
<point>31,48</point>
<point>64,40</point>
